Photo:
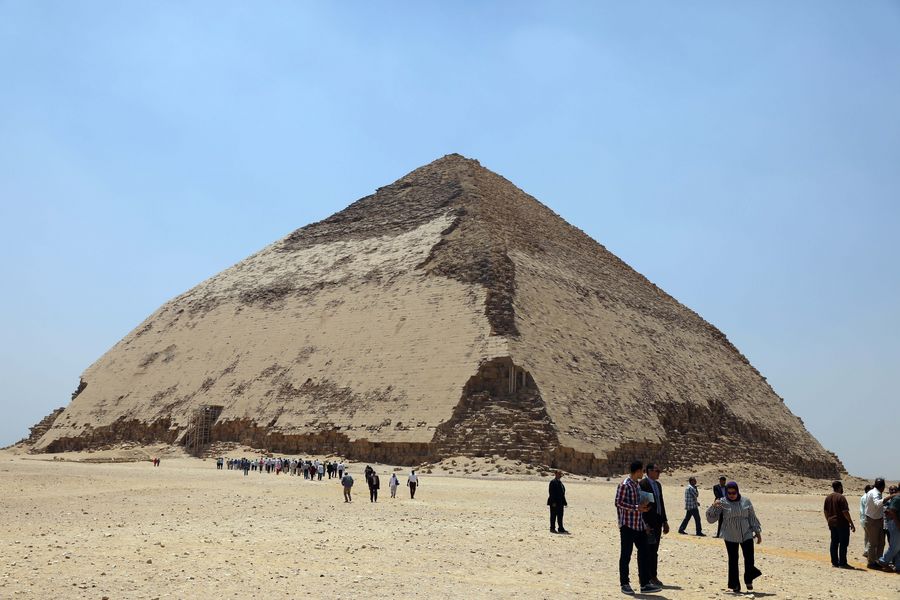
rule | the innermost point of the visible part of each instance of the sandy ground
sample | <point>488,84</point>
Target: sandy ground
<point>186,530</point>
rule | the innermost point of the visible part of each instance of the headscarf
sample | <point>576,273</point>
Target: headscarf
<point>732,484</point>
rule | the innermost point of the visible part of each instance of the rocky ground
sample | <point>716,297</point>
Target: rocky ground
<point>87,526</point>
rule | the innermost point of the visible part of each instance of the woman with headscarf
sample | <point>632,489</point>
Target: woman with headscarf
<point>739,527</point>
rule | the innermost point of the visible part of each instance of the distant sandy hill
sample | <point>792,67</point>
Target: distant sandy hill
<point>449,313</point>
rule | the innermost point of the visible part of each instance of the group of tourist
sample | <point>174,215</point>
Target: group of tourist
<point>879,517</point>
<point>642,521</point>
<point>315,470</point>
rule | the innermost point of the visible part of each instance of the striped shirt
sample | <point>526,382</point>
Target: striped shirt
<point>739,521</point>
<point>691,495</point>
<point>628,502</point>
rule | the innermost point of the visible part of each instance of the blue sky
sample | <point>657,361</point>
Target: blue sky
<point>742,157</point>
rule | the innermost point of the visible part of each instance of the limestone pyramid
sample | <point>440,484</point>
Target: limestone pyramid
<point>448,313</point>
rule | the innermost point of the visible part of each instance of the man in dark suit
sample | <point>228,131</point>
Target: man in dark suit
<point>655,519</point>
<point>557,503</point>
<point>719,492</point>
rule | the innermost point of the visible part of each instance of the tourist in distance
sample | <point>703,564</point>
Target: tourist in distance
<point>394,483</point>
<point>890,560</point>
<point>412,482</point>
<point>691,507</point>
<point>739,527</point>
<point>875,523</point>
<point>557,503</point>
<point>719,492</point>
<point>374,484</point>
<point>347,483</point>
<point>840,524</point>
<point>655,520</point>
<point>632,532</point>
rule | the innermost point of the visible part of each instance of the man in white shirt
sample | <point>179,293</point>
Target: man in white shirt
<point>413,481</point>
<point>875,523</point>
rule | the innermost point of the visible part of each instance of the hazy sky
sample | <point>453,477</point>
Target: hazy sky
<point>744,157</point>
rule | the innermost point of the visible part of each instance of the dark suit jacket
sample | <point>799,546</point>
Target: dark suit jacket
<point>651,517</point>
<point>557,493</point>
<point>718,491</point>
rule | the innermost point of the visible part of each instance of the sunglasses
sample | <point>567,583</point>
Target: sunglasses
<point>731,492</point>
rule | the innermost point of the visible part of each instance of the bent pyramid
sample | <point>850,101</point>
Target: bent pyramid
<point>448,313</point>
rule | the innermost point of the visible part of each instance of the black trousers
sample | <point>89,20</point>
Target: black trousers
<point>653,538</point>
<point>750,570</point>
<point>412,490</point>
<point>840,539</point>
<point>630,538</point>
<point>556,518</point>
<point>373,494</point>
<point>694,512</point>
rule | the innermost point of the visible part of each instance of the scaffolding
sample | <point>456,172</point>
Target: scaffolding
<point>199,428</point>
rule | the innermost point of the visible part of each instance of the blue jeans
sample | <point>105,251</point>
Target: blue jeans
<point>892,554</point>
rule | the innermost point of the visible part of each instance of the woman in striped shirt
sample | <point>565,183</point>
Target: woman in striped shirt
<point>739,527</point>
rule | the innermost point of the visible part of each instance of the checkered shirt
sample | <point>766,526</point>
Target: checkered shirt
<point>690,498</point>
<point>628,501</point>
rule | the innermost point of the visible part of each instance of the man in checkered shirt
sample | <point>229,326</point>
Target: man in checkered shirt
<point>632,531</point>
<point>691,507</point>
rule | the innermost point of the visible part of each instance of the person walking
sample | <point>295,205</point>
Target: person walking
<point>393,483</point>
<point>840,524</point>
<point>875,523</point>
<point>413,482</point>
<point>347,482</point>
<point>632,532</point>
<point>719,492</point>
<point>374,485</point>
<point>691,507</point>
<point>655,520</point>
<point>557,503</point>
<point>739,527</point>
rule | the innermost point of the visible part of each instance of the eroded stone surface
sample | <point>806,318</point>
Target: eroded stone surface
<point>383,332</point>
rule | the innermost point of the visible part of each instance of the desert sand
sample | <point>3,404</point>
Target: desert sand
<point>83,528</point>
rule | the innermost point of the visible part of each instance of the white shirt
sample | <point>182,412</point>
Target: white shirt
<point>874,505</point>
<point>394,481</point>
<point>413,478</point>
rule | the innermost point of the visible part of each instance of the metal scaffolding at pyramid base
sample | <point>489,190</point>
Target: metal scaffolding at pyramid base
<point>197,435</point>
